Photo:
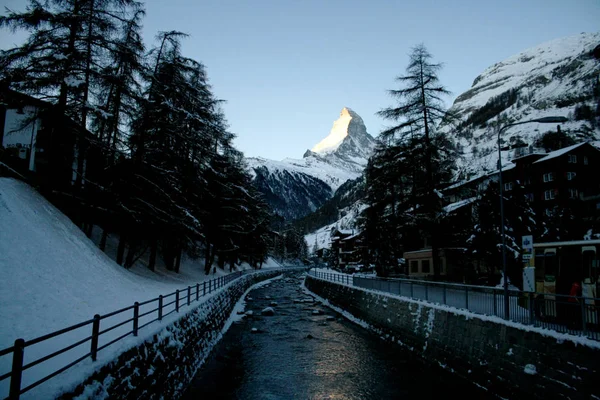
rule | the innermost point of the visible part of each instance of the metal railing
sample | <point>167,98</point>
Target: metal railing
<point>72,345</point>
<point>561,313</point>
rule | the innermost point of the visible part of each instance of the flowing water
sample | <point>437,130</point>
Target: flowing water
<point>308,351</point>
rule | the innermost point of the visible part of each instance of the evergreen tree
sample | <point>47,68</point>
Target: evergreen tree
<point>485,242</point>
<point>412,160</point>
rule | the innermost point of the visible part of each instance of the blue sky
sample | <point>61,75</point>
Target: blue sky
<point>287,67</point>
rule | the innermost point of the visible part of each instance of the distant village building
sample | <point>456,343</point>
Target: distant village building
<point>347,249</point>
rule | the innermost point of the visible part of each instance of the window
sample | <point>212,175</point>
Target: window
<point>571,176</point>
<point>425,266</point>
<point>585,160</point>
<point>572,159</point>
<point>549,177</point>
<point>548,194</point>
<point>529,196</point>
<point>414,266</point>
<point>573,193</point>
<point>508,186</point>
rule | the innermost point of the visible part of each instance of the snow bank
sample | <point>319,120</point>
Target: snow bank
<point>53,277</point>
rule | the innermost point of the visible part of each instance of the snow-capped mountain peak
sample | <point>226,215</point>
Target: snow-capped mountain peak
<point>295,187</point>
<point>348,122</point>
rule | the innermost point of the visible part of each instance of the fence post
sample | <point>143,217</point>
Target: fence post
<point>197,291</point>
<point>531,309</point>
<point>495,304</point>
<point>17,369</point>
<point>177,301</point>
<point>204,288</point>
<point>160,306</point>
<point>136,315</point>
<point>583,315</point>
<point>467,297</point>
<point>189,294</point>
<point>95,334</point>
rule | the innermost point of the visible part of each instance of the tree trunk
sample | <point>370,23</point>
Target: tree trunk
<point>103,240</point>
<point>82,146</point>
<point>89,229</point>
<point>152,261</point>
<point>121,248</point>
<point>130,254</point>
<point>178,259</point>
<point>207,261</point>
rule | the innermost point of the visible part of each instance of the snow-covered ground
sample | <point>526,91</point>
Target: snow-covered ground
<point>53,276</point>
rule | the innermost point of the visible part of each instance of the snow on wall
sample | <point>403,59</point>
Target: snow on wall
<point>499,357</point>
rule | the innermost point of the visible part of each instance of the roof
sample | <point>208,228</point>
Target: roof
<point>459,204</point>
<point>352,236</point>
<point>508,166</point>
<point>558,153</point>
<point>524,156</point>
<point>461,183</point>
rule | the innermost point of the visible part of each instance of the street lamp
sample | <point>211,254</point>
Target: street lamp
<point>545,120</point>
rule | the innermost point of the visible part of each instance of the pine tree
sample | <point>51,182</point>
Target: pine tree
<point>485,242</point>
<point>413,159</point>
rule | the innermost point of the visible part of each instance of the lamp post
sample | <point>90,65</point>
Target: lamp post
<point>545,120</point>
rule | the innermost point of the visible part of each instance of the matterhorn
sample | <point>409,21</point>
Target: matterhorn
<point>296,187</point>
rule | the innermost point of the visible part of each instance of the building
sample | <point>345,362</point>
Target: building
<point>564,178</point>
<point>347,249</point>
<point>38,143</point>
<point>452,263</point>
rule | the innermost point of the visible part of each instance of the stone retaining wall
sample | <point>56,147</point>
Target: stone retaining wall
<point>508,359</point>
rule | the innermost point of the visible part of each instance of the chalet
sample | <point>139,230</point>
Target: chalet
<point>563,178</point>
<point>36,142</point>
<point>347,248</point>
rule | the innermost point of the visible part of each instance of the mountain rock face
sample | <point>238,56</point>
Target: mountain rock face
<point>295,188</point>
<point>557,78</point>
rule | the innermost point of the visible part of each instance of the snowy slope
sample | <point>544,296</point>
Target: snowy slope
<point>54,276</point>
<point>551,79</point>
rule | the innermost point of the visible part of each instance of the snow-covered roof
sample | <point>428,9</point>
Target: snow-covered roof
<point>455,206</point>
<point>558,153</point>
<point>535,153</point>
<point>352,236</point>
<point>461,183</point>
<point>505,167</point>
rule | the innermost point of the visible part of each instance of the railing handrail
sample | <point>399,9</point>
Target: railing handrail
<point>458,285</point>
<point>559,312</point>
<point>206,287</point>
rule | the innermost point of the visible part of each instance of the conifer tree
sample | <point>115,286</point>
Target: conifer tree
<point>413,159</point>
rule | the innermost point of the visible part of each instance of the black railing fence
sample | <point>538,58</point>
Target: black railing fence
<point>561,313</point>
<point>72,345</point>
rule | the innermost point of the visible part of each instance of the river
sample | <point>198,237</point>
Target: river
<point>308,351</point>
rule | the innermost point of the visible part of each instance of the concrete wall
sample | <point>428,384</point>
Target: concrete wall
<point>163,366</point>
<point>508,359</point>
